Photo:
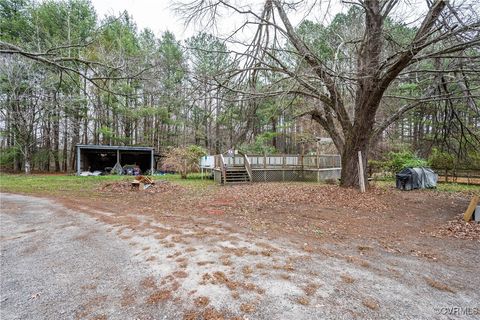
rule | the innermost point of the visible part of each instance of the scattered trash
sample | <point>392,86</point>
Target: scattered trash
<point>88,173</point>
<point>117,169</point>
<point>35,296</point>
<point>144,179</point>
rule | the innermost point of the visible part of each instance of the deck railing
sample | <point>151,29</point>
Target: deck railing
<point>221,164</point>
<point>286,161</point>
<point>248,165</point>
<point>294,161</point>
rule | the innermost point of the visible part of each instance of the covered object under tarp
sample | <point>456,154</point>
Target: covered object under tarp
<point>99,157</point>
<point>416,178</point>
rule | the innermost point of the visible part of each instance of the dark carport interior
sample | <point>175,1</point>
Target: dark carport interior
<point>99,157</point>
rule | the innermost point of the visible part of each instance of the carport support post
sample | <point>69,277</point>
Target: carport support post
<point>151,162</point>
<point>78,161</point>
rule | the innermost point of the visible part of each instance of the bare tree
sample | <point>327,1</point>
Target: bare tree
<point>348,99</point>
<point>23,108</point>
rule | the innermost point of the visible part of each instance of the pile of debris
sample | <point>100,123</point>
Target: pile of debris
<point>460,229</point>
<point>142,183</point>
<point>128,186</point>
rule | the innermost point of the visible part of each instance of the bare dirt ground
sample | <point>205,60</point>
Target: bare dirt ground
<point>260,251</point>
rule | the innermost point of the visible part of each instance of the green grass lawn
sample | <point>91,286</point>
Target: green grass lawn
<point>56,184</point>
<point>442,186</point>
<point>65,184</point>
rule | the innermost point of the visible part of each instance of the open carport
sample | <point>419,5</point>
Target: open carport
<point>98,157</point>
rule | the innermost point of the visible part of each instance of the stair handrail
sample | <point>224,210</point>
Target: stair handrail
<point>223,168</point>
<point>247,165</point>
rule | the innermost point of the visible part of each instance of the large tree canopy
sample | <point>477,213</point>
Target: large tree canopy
<point>373,75</point>
<point>349,67</point>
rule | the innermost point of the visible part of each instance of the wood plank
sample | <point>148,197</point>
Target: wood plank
<point>467,216</point>
<point>361,177</point>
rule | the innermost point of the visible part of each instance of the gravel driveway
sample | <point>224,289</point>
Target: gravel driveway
<point>58,263</point>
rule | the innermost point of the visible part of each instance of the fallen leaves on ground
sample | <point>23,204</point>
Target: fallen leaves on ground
<point>327,196</point>
<point>460,229</point>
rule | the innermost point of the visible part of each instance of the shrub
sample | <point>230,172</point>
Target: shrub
<point>7,156</point>
<point>473,160</point>
<point>377,165</point>
<point>441,160</point>
<point>184,159</point>
<point>396,161</point>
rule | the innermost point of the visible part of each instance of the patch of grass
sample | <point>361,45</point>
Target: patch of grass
<point>193,180</point>
<point>51,184</point>
<point>449,187</point>
<point>457,187</point>
<point>54,184</point>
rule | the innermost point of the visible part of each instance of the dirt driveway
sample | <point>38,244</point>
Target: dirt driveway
<point>59,263</point>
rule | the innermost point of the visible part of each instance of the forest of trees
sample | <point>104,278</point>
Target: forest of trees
<point>366,79</point>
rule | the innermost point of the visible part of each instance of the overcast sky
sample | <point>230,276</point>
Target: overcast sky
<point>153,14</point>
<point>159,16</point>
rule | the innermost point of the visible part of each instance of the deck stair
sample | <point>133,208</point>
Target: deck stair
<point>236,174</point>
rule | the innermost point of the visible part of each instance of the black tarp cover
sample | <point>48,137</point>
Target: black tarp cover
<point>416,178</point>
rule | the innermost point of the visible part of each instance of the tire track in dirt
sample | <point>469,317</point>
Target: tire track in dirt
<point>199,268</point>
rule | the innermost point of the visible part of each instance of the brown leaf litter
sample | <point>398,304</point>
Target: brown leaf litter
<point>460,229</point>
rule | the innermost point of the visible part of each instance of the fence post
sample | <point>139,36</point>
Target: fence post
<point>361,178</point>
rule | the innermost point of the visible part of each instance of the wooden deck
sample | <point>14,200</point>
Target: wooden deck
<point>242,168</point>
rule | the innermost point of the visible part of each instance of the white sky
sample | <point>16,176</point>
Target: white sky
<point>153,14</point>
<point>159,16</point>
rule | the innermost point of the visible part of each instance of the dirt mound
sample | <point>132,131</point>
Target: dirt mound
<point>126,187</point>
<point>460,229</point>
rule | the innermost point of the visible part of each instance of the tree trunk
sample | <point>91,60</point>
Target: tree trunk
<point>357,139</point>
<point>56,140</point>
<point>274,131</point>
<point>349,176</point>
<point>27,160</point>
